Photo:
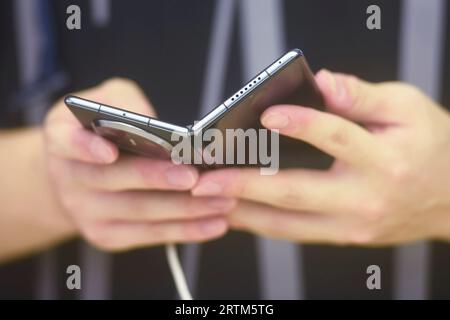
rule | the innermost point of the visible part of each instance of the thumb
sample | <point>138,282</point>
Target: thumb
<point>353,98</point>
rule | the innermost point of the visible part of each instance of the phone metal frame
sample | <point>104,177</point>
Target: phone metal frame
<point>246,90</point>
<point>144,121</point>
<point>116,125</point>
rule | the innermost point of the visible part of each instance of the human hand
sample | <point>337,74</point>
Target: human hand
<point>390,182</point>
<point>128,201</point>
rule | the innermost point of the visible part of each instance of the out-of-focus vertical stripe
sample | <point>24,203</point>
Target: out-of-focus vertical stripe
<point>46,277</point>
<point>96,265</point>
<point>100,12</point>
<point>420,63</point>
<point>30,39</point>
<point>422,42</point>
<point>95,274</point>
<point>218,52</point>
<point>212,91</point>
<point>263,40</point>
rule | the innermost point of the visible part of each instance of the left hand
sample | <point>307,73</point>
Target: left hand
<point>390,182</point>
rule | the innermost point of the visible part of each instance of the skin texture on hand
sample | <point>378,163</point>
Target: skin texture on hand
<point>30,216</point>
<point>389,183</point>
<point>120,202</point>
<point>62,180</point>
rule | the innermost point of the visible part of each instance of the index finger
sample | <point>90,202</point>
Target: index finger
<point>295,189</point>
<point>334,135</point>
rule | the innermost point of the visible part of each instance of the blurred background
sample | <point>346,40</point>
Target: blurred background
<point>188,56</point>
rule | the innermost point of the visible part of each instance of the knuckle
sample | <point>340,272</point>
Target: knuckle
<point>99,235</point>
<point>190,232</point>
<point>189,206</point>
<point>93,175</point>
<point>57,171</point>
<point>376,210</point>
<point>72,203</point>
<point>137,209</point>
<point>339,137</point>
<point>238,183</point>
<point>288,196</point>
<point>118,81</point>
<point>156,234</point>
<point>342,240</point>
<point>410,91</point>
<point>125,84</point>
<point>142,167</point>
<point>79,207</point>
<point>403,93</point>
<point>279,228</point>
<point>399,172</point>
<point>364,236</point>
<point>353,84</point>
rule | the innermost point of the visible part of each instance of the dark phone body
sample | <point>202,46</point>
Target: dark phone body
<point>293,84</point>
<point>286,81</point>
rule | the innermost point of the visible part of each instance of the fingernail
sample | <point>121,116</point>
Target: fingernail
<point>213,227</point>
<point>179,176</point>
<point>207,189</point>
<point>222,204</point>
<point>275,121</point>
<point>100,151</point>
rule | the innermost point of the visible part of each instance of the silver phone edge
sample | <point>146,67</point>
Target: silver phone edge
<point>130,116</point>
<point>245,90</point>
<point>208,119</point>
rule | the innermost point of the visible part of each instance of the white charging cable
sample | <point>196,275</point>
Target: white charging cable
<point>177,272</point>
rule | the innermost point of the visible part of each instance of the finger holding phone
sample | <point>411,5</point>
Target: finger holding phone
<point>389,183</point>
<point>109,197</point>
<point>125,201</point>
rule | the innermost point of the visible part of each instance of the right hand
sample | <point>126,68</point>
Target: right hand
<point>123,202</point>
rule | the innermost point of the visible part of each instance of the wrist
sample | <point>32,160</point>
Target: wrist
<point>56,219</point>
<point>31,218</point>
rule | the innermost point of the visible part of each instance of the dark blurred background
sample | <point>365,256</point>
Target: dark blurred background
<point>170,48</point>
